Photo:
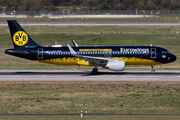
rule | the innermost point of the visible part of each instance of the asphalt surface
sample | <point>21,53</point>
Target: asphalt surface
<point>36,116</point>
<point>92,24</point>
<point>82,75</point>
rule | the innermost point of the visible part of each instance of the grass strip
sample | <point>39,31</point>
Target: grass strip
<point>128,98</point>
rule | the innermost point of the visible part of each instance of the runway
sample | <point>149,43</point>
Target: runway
<point>83,75</point>
<point>37,116</point>
<point>93,23</point>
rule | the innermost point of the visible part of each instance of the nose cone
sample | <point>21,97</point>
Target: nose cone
<point>173,58</point>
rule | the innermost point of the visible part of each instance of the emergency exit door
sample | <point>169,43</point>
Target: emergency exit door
<point>40,53</point>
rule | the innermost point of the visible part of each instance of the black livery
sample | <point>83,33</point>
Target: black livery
<point>111,57</point>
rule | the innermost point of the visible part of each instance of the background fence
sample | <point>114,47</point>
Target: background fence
<point>94,12</point>
<point>127,12</point>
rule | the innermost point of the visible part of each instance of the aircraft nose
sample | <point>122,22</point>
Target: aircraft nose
<point>173,58</point>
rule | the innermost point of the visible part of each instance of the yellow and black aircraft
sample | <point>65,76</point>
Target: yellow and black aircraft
<point>111,57</point>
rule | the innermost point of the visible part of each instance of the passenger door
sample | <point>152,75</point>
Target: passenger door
<point>153,52</point>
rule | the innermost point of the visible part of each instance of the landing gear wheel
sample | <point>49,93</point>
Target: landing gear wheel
<point>94,71</point>
<point>153,71</point>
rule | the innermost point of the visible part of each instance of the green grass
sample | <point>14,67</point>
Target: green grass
<point>130,98</point>
<point>163,36</point>
<point>165,18</point>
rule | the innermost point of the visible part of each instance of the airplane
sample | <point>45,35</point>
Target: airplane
<point>111,57</point>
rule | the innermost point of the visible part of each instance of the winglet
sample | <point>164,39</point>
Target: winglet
<point>72,51</point>
<point>75,44</point>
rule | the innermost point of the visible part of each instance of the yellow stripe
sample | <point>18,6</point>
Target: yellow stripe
<point>62,61</point>
<point>76,61</point>
<point>137,61</point>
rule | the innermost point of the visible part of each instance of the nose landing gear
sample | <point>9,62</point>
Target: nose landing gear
<point>152,71</point>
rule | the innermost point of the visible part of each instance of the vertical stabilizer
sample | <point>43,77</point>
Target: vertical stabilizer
<point>20,37</point>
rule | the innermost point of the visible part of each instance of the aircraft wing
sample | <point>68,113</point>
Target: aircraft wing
<point>99,61</point>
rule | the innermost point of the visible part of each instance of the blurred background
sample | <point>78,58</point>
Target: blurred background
<point>47,8</point>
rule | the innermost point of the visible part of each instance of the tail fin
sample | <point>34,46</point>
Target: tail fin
<point>19,36</point>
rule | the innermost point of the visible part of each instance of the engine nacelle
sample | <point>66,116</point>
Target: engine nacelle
<point>115,65</point>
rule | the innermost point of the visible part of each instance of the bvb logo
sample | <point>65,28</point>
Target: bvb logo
<point>20,38</point>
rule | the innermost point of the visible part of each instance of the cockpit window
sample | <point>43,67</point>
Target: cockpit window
<point>165,52</point>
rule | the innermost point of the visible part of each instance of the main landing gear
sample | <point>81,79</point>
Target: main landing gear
<point>95,70</point>
<point>153,71</point>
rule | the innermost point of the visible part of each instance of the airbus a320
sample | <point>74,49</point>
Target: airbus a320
<point>111,57</point>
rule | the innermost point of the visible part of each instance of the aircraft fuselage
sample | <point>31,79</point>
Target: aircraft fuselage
<point>131,55</point>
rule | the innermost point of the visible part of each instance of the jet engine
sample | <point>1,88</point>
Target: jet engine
<point>115,65</point>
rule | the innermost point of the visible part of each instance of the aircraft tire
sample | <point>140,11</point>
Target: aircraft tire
<point>94,71</point>
<point>153,72</point>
